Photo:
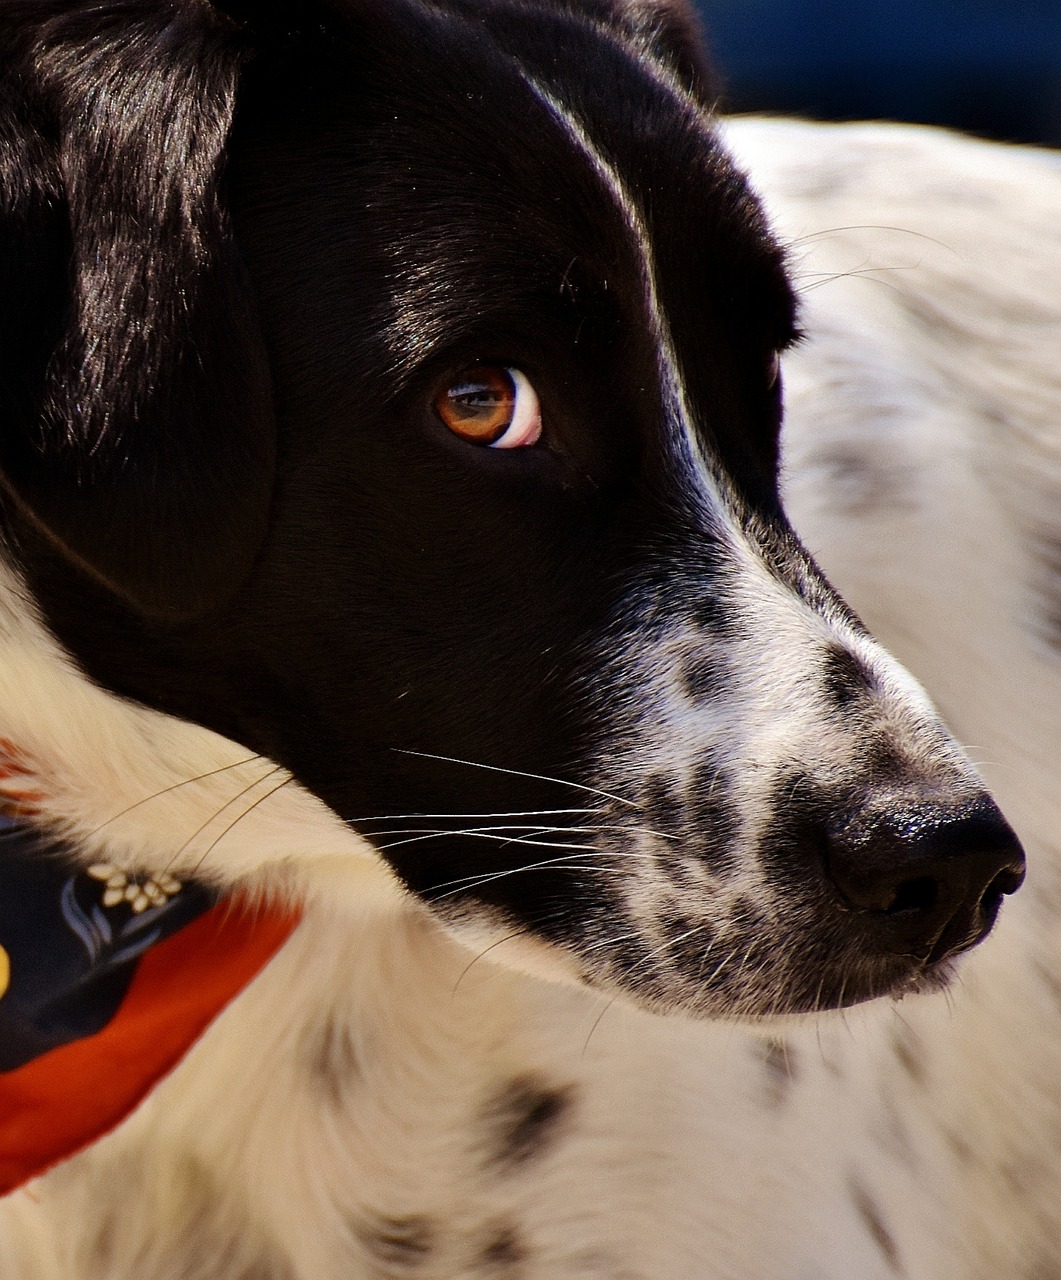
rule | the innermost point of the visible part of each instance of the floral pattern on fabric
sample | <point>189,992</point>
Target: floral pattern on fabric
<point>70,940</point>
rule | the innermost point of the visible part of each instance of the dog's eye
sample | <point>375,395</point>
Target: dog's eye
<point>492,405</point>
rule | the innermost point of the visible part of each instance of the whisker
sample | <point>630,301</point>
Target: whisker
<point>870,226</point>
<point>704,960</point>
<point>218,812</point>
<point>475,882</point>
<point>750,975</point>
<point>530,827</point>
<point>176,786</point>
<point>870,274</point>
<point>576,862</point>
<point>612,939</point>
<point>514,813</point>
<point>644,831</point>
<point>518,773</point>
<point>237,820</point>
<point>840,996</point>
<point>596,1023</point>
<point>665,946</point>
<point>819,997</point>
<point>721,965</point>
<point>816,1008</point>
<point>517,933</point>
<point>484,834</point>
<point>594,829</point>
<point>424,833</point>
<point>529,837</point>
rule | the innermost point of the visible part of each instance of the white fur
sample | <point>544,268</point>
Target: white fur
<point>924,464</point>
<point>922,469</point>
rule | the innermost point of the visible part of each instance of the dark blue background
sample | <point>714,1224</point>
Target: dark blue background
<point>980,65</point>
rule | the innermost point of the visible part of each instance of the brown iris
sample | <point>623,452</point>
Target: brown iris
<point>479,403</point>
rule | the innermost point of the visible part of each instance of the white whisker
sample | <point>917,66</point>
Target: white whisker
<point>512,813</point>
<point>576,862</point>
<point>218,812</point>
<point>176,786</point>
<point>485,834</point>
<point>239,818</point>
<point>517,773</point>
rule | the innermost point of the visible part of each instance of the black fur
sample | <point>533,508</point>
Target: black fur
<point>527,554</point>
<point>138,432</point>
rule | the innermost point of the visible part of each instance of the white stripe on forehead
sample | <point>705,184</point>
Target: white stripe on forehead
<point>681,434</point>
<point>716,503</point>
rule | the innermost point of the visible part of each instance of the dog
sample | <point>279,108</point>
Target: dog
<point>393,537</point>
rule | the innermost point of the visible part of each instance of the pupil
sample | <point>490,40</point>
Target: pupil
<point>480,401</point>
<point>484,399</point>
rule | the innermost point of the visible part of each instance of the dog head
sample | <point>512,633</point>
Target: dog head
<point>394,388</point>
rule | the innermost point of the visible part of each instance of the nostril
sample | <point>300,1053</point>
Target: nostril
<point>932,878</point>
<point>1005,883</point>
<point>919,894</point>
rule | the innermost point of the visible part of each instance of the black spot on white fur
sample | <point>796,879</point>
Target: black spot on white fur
<point>207,1233</point>
<point>692,823</point>
<point>503,1255</point>
<point>714,815</point>
<point>845,678</point>
<point>663,805</point>
<point>688,939</point>
<point>334,1059</point>
<point>711,611</point>
<point>909,1053</point>
<point>702,676</point>
<point>873,1221</point>
<point>780,1068</point>
<point>398,1244</point>
<point>523,1120</point>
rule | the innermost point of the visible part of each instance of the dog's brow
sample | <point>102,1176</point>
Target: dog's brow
<point>681,435</point>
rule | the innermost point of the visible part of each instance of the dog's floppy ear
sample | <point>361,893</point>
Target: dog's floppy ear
<point>136,427</point>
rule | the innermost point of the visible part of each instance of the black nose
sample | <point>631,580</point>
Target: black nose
<point>932,878</point>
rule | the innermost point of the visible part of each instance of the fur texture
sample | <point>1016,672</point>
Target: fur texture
<point>629,612</point>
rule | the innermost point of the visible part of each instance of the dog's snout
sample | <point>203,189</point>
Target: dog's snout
<point>931,877</point>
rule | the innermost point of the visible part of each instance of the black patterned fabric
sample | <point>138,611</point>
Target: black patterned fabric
<point>70,940</point>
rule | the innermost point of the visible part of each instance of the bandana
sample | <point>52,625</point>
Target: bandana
<point>106,981</point>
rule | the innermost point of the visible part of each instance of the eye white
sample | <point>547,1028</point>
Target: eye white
<point>526,425</point>
<point>773,369</point>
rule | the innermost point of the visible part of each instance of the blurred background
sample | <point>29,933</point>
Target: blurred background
<point>984,66</point>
